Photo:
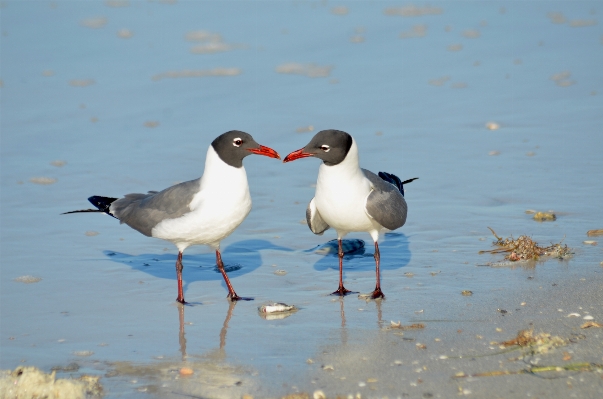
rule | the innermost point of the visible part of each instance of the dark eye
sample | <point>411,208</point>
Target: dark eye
<point>325,148</point>
<point>237,142</point>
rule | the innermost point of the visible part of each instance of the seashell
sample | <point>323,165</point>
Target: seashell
<point>276,307</point>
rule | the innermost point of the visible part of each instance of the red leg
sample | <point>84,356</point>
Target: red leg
<point>232,295</point>
<point>179,268</point>
<point>377,293</point>
<point>341,291</point>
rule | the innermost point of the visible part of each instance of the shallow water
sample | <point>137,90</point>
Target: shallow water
<point>125,103</point>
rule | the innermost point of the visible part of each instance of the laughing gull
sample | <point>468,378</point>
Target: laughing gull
<point>202,211</point>
<point>349,198</point>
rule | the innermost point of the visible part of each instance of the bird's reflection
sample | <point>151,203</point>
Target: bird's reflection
<point>344,330</point>
<point>182,335</point>
<point>223,330</point>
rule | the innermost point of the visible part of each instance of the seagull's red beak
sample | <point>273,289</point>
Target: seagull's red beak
<point>297,155</point>
<point>266,151</point>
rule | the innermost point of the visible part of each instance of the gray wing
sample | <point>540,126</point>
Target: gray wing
<point>142,212</point>
<point>385,203</point>
<point>315,221</point>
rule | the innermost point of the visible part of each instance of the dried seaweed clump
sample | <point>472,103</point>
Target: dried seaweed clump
<point>524,248</point>
<point>539,343</point>
<point>30,382</point>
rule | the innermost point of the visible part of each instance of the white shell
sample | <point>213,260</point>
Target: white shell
<point>276,308</point>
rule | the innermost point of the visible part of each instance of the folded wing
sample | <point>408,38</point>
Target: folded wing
<point>142,212</point>
<point>315,221</point>
<point>385,203</point>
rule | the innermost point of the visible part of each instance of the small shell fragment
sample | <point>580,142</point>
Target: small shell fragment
<point>276,307</point>
<point>466,293</point>
<point>589,242</point>
<point>280,272</point>
<point>28,279</point>
<point>589,317</point>
<point>492,126</point>
<point>573,315</point>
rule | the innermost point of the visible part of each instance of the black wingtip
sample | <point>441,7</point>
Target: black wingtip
<point>395,180</point>
<point>409,180</point>
<point>103,204</point>
<point>81,211</point>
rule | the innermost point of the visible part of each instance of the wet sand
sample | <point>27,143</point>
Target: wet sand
<point>495,107</point>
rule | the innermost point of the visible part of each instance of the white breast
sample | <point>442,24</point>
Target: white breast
<point>341,192</point>
<point>216,211</point>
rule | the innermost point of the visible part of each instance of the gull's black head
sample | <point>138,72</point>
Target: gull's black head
<point>235,145</point>
<point>332,146</point>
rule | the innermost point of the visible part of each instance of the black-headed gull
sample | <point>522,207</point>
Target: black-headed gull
<point>349,198</point>
<point>197,212</point>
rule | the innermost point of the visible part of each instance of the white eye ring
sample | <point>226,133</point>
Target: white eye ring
<point>325,148</point>
<point>237,142</point>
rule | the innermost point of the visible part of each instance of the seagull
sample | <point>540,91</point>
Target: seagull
<point>351,199</point>
<point>198,212</point>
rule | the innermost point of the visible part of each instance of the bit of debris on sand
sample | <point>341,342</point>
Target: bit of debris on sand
<point>539,343</point>
<point>30,382</point>
<point>531,345</point>
<point>589,324</point>
<point>544,216</point>
<point>524,248</point>
<point>593,233</point>
<point>398,326</point>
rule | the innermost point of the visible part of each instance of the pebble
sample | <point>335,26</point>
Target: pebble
<point>43,180</point>
<point>466,293</point>
<point>125,33</point>
<point>492,126</point>
<point>28,279</point>
<point>186,371</point>
<point>319,395</point>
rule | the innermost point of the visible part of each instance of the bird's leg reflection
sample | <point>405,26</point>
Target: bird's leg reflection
<point>344,330</point>
<point>379,314</point>
<point>224,329</point>
<point>181,336</point>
